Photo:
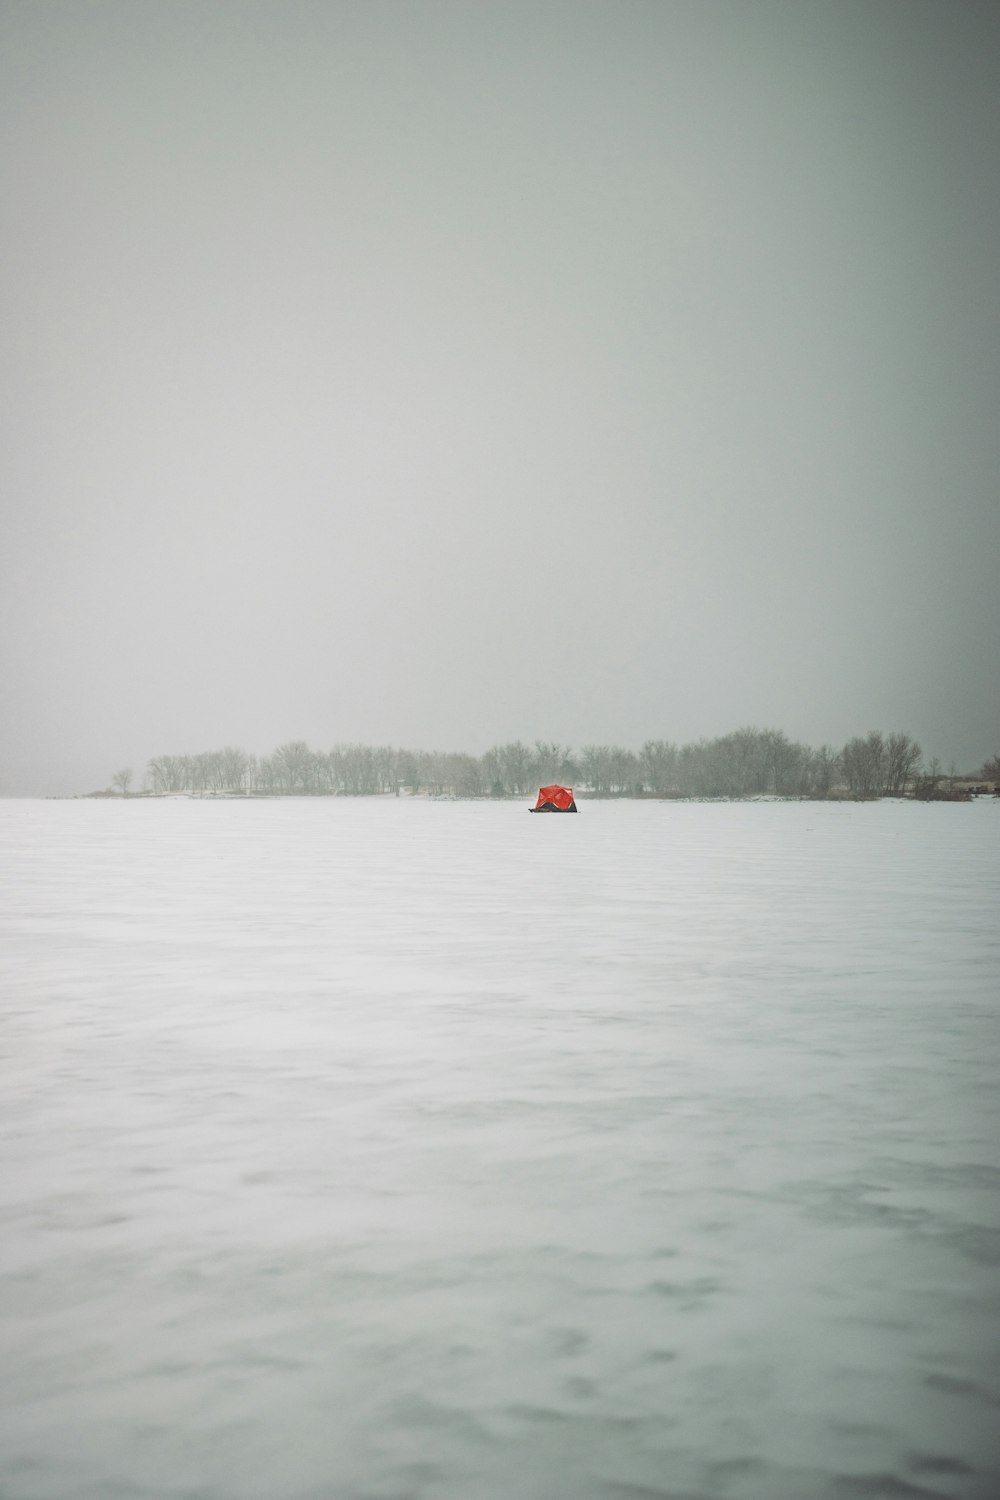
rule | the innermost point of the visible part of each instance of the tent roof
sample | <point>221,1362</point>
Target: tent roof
<point>559,796</point>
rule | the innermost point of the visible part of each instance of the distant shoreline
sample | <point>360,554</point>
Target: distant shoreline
<point>967,790</point>
<point>746,763</point>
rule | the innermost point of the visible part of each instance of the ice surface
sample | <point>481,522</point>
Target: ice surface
<point>389,1149</point>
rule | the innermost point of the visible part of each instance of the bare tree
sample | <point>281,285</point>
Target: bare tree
<point>692,769</point>
<point>926,783</point>
<point>823,769</point>
<point>624,770</point>
<point>159,772</point>
<point>233,766</point>
<point>658,765</point>
<point>122,780</point>
<point>294,767</point>
<point>742,762</point>
<point>510,769</point>
<point>864,763</point>
<point>553,762</point>
<point>433,772</point>
<point>492,769</point>
<point>358,769</point>
<point>902,758</point>
<point>595,767</point>
<point>466,775</point>
<point>387,769</point>
<point>406,769</point>
<point>783,763</point>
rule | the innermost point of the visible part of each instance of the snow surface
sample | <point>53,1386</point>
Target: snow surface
<point>387,1148</point>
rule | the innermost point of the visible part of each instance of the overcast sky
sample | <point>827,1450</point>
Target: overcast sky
<point>443,373</point>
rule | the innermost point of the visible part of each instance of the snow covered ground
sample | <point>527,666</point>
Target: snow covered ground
<point>390,1149</point>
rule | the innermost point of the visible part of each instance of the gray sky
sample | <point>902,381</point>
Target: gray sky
<point>442,373</point>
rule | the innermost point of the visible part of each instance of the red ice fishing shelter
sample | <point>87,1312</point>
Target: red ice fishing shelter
<point>554,799</point>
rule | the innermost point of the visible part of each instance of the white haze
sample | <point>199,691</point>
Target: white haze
<point>389,1148</point>
<point>443,373</point>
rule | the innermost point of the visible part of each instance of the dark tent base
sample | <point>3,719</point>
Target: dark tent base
<point>551,807</point>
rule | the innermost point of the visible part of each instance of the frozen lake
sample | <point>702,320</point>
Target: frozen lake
<point>388,1150</point>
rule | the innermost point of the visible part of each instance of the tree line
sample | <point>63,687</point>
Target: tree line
<point>748,762</point>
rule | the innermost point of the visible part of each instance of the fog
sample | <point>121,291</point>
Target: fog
<point>438,374</point>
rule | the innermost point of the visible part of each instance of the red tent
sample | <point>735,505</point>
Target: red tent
<point>554,799</point>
